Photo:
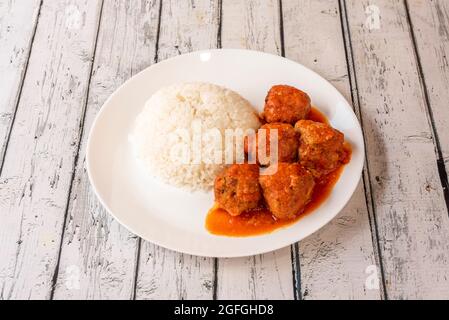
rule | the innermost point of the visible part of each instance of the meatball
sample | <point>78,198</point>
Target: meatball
<point>321,147</point>
<point>286,104</point>
<point>237,189</point>
<point>288,191</point>
<point>288,143</point>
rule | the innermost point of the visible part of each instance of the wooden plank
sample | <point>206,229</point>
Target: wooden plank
<point>430,21</point>
<point>333,261</point>
<point>254,24</point>
<point>39,162</point>
<point>99,257</point>
<point>410,210</point>
<point>18,20</point>
<point>163,274</point>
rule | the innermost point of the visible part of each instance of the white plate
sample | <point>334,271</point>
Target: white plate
<point>174,218</point>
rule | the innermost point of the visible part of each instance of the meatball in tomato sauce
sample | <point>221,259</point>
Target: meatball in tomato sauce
<point>287,144</point>
<point>288,191</point>
<point>286,104</point>
<point>237,189</point>
<point>321,148</point>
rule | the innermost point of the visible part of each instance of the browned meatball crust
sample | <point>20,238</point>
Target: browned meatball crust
<point>288,143</point>
<point>237,189</point>
<point>288,191</point>
<point>286,104</point>
<point>321,148</point>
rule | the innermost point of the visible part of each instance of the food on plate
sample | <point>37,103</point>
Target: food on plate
<point>237,189</point>
<point>311,156</point>
<point>288,191</point>
<point>164,132</point>
<point>287,140</point>
<point>260,190</point>
<point>321,148</point>
<point>286,104</point>
<point>261,220</point>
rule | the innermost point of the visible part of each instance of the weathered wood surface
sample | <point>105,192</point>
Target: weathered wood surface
<point>60,60</point>
<point>18,20</point>
<point>38,163</point>
<point>430,22</point>
<point>333,261</point>
<point>98,256</point>
<point>409,206</point>
<point>164,274</point>
<point>255,25</point>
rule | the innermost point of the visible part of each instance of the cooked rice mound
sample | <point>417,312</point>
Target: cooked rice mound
<point>169,121</point>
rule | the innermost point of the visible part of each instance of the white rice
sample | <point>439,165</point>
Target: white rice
<point>184,106</point>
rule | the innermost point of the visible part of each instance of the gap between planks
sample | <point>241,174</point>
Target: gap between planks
<point>76,158</point>
<point>139,240</point>
<point>366,177</point>
<point>19,93</point>
<point>438,150</point>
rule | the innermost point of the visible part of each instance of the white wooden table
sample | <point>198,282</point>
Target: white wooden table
<point>61,59</point>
